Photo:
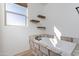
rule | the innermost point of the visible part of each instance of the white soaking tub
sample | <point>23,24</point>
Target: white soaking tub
<point>62,47</point>
<point>45,47</point>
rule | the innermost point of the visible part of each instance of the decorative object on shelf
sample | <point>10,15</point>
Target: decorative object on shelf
<point>77,8</point>
<point>41,16</point>
<point>35,21</point>
<point>41,27</point>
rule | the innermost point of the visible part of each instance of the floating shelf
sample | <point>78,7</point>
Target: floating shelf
<point>41,16</point>
<point>35,21</point>
<point>41,27</point>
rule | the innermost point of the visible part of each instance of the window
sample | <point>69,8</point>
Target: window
<point>16,14</point>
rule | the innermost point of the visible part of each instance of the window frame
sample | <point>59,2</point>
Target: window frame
<point>26,19</point>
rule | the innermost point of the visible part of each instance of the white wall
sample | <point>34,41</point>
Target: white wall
<point>2,12</point>
<point>64,17</point>
<point>1,24</point>
<point>14,39</point>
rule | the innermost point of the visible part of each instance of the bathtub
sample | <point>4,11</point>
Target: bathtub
<point>45,47</point>
<point>62,47</point>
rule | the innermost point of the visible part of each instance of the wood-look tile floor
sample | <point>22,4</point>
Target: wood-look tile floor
<point>25,53</point>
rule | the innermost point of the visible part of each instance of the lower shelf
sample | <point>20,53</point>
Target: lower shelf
<point>40,27</point>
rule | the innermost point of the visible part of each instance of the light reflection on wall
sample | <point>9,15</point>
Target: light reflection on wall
<point>57,33</point>
<point>57,37</point>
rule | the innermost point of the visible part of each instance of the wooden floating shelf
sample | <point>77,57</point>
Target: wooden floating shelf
<point>41,16</point>
<point>35,21</point>
<point>41,27</point>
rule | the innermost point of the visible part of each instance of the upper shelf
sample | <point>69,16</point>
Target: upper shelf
<point>41,16</point>
<point>35,21</point>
